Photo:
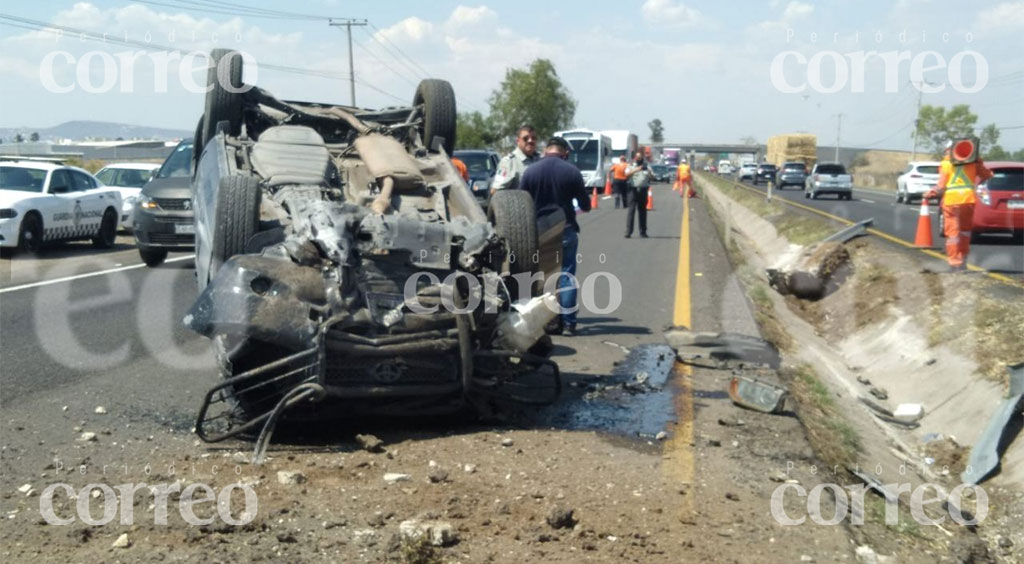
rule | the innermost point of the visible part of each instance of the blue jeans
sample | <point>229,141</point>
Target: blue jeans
<point>568,287</point>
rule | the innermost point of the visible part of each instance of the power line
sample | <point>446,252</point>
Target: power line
<point>404,63</point>
<point>195,7</point>
<point>382,36</point>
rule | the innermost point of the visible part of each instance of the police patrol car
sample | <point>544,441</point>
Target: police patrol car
<point>44,201</point>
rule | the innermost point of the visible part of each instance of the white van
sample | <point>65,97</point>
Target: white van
<point>724,167</point>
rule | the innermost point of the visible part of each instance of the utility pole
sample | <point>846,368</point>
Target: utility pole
<point>839,125</point>
<point>348,23</point>
<point>917,116</point>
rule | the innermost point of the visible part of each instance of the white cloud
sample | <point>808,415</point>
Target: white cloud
<point>409,30</point>
<point>669,14</point>
<point>796,10</point>
<point>1005,16</point>
<point>465,17</point>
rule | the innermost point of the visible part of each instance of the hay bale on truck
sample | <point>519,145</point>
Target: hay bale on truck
<point>795,147</point>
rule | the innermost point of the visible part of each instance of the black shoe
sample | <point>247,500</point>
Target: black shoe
<point>554,327</point>
<point>628,235</point>
<point>643,235</point>
<point>570,331</point>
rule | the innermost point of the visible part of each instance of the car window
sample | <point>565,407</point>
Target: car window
<point>1006,179</point>
<point>831,169</point>
<point>81,181</point>
<point>793,166</point>
<point>22,179</point>
<point>178,163</point>
<point>60,182</point>
<point>476,162</point>
<point>928,169</point>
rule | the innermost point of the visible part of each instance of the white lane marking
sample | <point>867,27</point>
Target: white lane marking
<point>867,200</point>
<point>87,275</point>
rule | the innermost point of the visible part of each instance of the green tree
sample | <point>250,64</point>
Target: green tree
<point>936,125</point>
<point>535,96</point>
<point>989,138</point>
<point>473,130</point>
<point>657,130</point>
<point>19,139</point>
<point>996,153</point>
<point>34,137</point>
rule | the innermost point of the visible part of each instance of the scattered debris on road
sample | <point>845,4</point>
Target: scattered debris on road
<point>724,350</point>
<point>757,395</point>
<point>817,272</point>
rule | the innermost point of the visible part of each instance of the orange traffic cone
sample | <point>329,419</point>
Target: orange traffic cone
<point>607,187</point>
<point>594,199</point>
<point>650,200</point>
<point>923,238</point>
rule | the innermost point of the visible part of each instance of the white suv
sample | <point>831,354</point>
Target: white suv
<point>919,178</point>
<point>43,201</point>
<point>747,170</point>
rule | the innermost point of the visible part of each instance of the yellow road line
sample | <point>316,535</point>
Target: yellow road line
<point>883,235</point>
<point>679,459</point>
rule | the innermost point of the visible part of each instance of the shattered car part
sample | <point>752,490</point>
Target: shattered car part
<point>816,273</point>
<point>884,414</point>
<point>345,267</point>
<point>993,441</point>
<point>722,349</point>
<point>757,395</point>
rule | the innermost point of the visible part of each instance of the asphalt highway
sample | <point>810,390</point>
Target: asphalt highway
<point>995,253</point>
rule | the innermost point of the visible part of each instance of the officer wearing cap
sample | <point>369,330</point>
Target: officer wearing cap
<point>512,165</point>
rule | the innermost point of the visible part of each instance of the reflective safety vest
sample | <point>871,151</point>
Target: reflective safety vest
<point>684,171</point>
<point>958,182</point>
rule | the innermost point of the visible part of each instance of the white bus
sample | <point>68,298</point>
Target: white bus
<point>591,153</point>
<point>623,143</point>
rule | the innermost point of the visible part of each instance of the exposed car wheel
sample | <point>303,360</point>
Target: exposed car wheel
<point>899,197</point>
<point>153,257</point>
<point>438,100</point>
<point>237,216</point>
<point>514,217</point>
<point>222,104</point>
<point>104,238</point>
<point>30,235</point>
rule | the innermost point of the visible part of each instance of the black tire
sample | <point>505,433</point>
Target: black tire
<point>153,257</point>
<point>438,100</point>
<point>237,213</point>
<point>104,238</point>
<point>222,104</point>
<point>30,234</point>
<point>899,196</point>
<point>515,219</point>
<point>197,146</point>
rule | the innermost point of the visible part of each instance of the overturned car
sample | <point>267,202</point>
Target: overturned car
<point>344,265</point>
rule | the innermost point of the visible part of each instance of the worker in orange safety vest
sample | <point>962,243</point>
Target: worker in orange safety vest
<point>955,187</point>
<point>684,178</point>
<point>461,167</point>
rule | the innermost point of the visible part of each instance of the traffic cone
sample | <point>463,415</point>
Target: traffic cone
<point>650,200</point>
<point>923,238</point>
<point>607,187</point>
<point>593,199</point>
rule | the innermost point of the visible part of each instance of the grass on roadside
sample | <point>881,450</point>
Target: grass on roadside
<point>835,441</point>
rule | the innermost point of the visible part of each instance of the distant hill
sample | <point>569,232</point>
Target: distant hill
<point>97,130</point>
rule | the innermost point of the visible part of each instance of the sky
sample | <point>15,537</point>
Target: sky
<point>712,72</point>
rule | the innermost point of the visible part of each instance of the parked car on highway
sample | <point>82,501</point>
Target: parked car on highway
<point>919,178</point>
<point>1000,203</point>
<point>482,165</point>
<point>163,216</point>
<point>829,178</point>
<point>792,174</point>
<point>663,173</point>
<point>746,172</point>
<point>44,201</point>
<point>765,173</point>
<point>128,179</point>
<point>331,247</point>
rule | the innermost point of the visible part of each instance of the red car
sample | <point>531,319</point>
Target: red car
<point>1000,205</point>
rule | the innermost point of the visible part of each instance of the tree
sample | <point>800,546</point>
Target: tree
<point>473,130</point>
<point>748,140</point>
<point>936,126</point>
<point>34,137</point>
<point>535,96</point>
<point>657,130</point>
<point>989,138</point>
<point>19,139</point>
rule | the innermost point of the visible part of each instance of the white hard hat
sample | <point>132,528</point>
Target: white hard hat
<point>949,144</point>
